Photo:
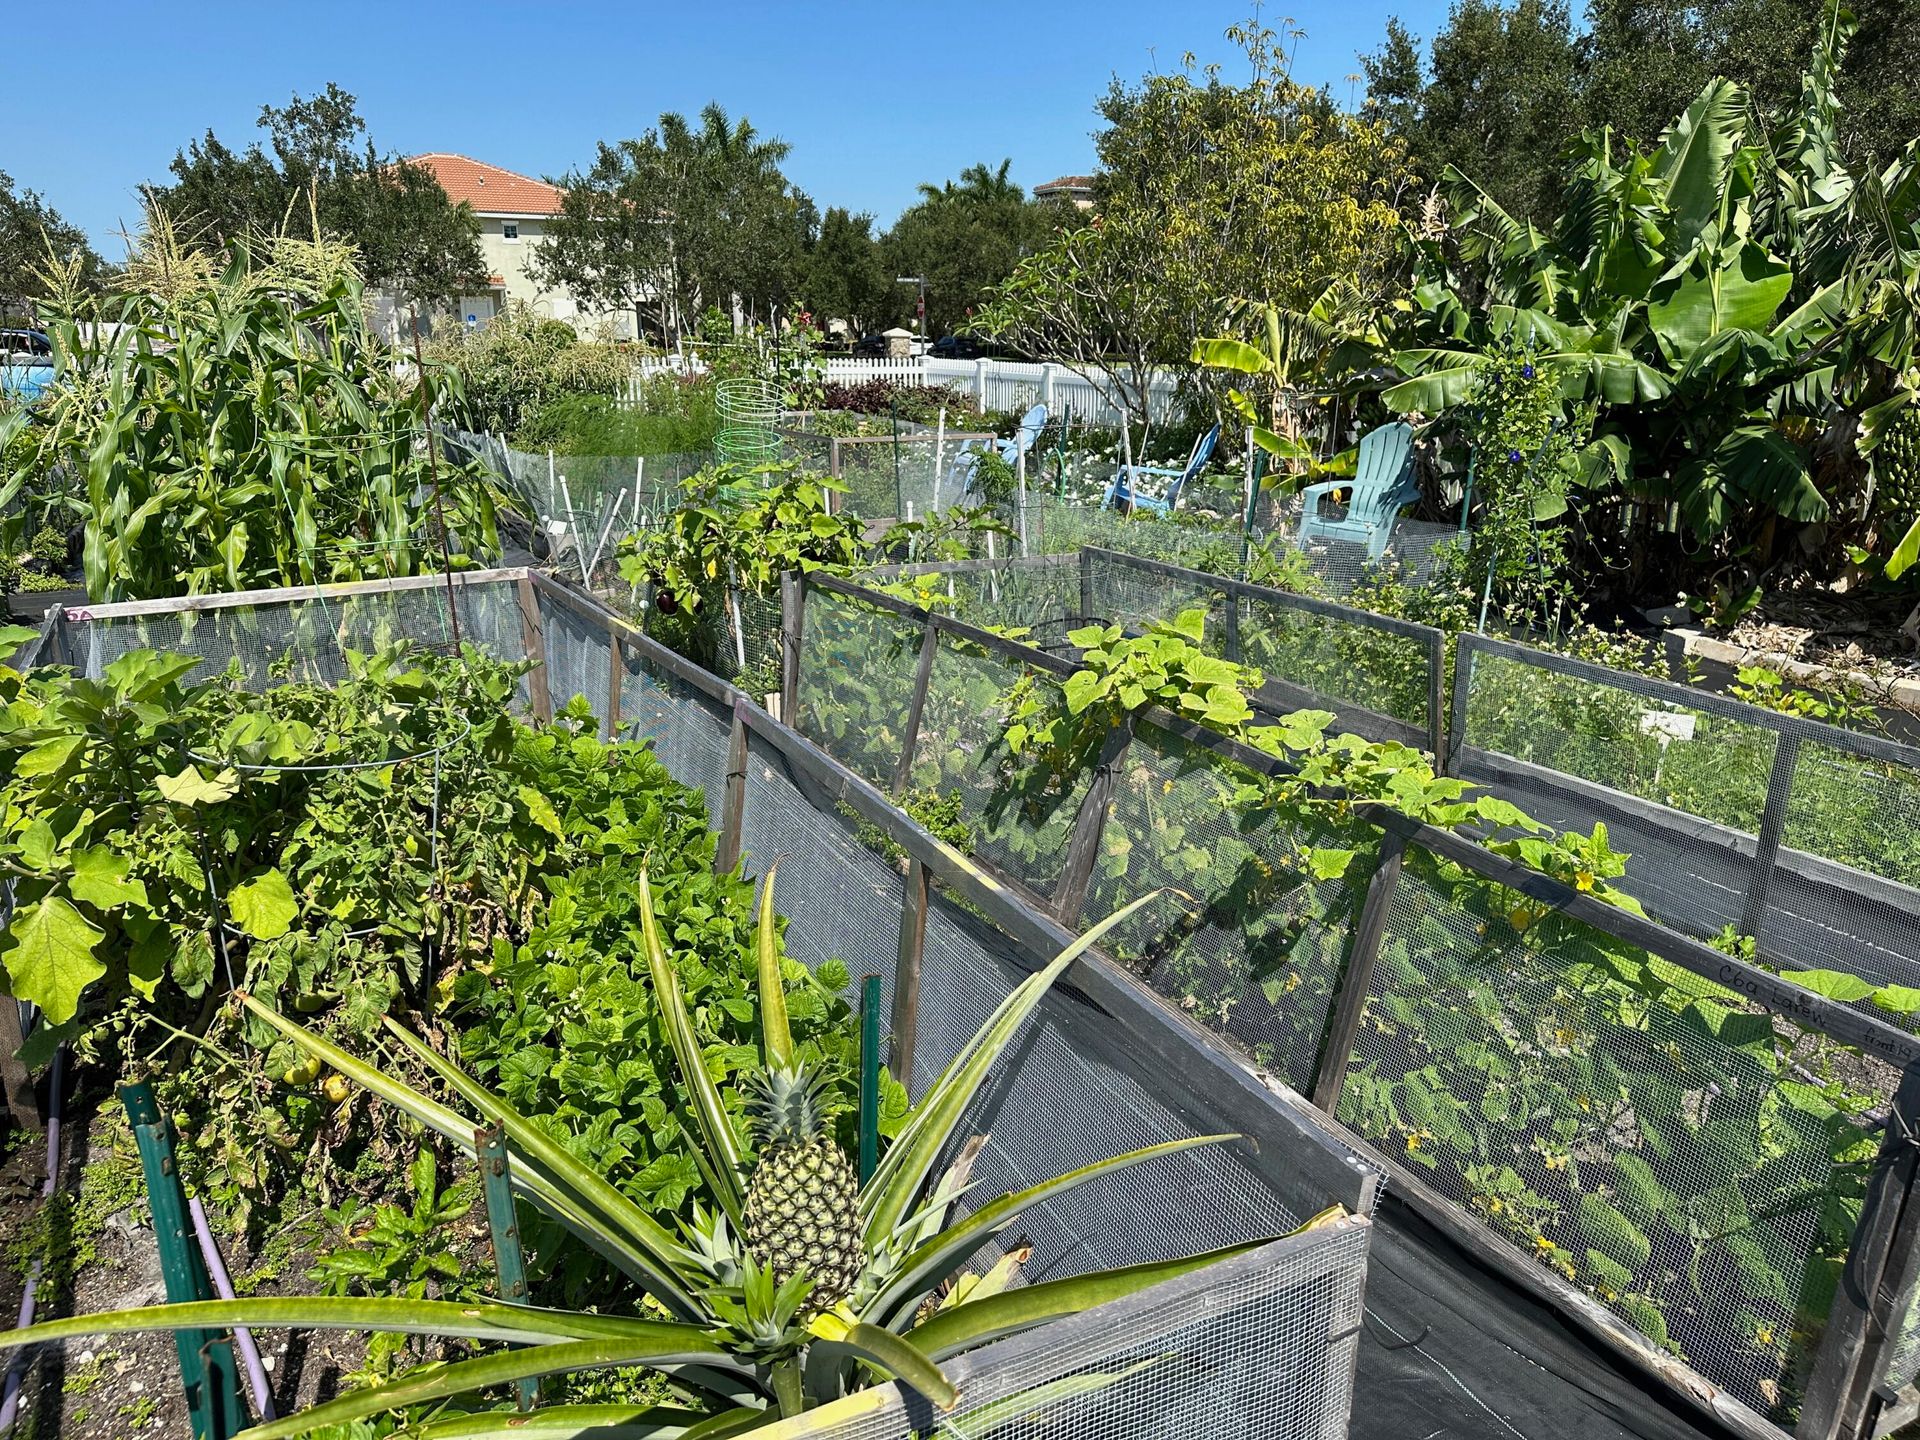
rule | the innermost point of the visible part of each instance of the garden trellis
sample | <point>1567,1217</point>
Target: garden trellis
<point>1272,1343</point>
<point>1649,1122</point>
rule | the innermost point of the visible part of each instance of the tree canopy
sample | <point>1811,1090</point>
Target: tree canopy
<point>964,237</point>
<point>31,233</point>
<point>684,217</point>
<point>1506,86</point>
<point>321,169</point>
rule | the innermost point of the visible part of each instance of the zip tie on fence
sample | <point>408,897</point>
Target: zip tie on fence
<point>10,1393</point>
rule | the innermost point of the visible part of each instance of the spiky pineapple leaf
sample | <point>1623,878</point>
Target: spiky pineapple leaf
<point>776,1034</point>
<point>719,1159</point>
<point>895,1186</point>
<point>888,1352</point>
<point>576,1422</point>
<point>676,1346</point>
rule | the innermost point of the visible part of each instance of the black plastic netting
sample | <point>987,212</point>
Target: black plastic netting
<point>1636,1127</point>
<point>1258,953</point>
<point>855,690</point>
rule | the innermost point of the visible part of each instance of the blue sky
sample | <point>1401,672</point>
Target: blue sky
<point>873,97</point>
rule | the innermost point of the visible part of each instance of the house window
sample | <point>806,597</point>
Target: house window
<point>510,229</point>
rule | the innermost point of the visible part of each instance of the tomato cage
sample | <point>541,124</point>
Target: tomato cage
<point>1693,1142</point>
<point>1264,1345</point>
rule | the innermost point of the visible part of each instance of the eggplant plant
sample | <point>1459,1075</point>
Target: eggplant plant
<point>789,1292</point>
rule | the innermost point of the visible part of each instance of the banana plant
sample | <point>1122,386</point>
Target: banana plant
<point>744,1342</point>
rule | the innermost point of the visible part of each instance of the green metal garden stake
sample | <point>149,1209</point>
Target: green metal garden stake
<point>869,1077</point>
<point>503,1229</point>
<point>214,1407</point>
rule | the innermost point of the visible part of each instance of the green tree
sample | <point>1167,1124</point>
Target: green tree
<point>845,277</point>
<point>32,232</point>
<point>1499,96</point>
<point>1212,196</point>
<point>965,238</point>
<point>322,169</point>
<point>685,217</point>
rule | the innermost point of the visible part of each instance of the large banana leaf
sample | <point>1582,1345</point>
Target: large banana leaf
<point>1694,160</point>
<point>1708,298</point>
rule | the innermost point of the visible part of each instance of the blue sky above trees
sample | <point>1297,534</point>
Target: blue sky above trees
<point>875,97</point>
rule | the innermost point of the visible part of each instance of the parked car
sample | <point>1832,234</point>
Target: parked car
<point>26,363</point>
<point>875,344</point>
<point>25,347</point>
<point>957,347</point>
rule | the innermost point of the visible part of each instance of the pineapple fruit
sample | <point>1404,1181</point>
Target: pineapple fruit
<point>803,1200</point>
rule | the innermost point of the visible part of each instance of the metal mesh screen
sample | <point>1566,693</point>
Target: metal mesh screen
<point>1695,1164</point>
<point>1020,809</point>
<point>307,639</point>
<point>1260,957</point>
<point>856,684</point>
<point>1687,793</point>
<point>578,656</point>
<point>1039,596</point>
<point>884,477</point>
<point>1173,1362</point>
<point>688,731</point>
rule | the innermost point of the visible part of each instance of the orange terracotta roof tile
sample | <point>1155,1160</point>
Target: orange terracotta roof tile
<point>489,189</point>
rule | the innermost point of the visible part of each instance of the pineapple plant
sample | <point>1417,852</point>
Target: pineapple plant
<point>803,1199</point>
<point>790,1291</point>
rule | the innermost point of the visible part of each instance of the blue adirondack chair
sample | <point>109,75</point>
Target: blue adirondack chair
<point>1382,484</point>
<point>1124,490</point>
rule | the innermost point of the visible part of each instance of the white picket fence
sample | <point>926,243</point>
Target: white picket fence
<point>995,384</point>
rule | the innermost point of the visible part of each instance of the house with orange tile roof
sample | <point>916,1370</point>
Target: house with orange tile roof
<point>513,211</point>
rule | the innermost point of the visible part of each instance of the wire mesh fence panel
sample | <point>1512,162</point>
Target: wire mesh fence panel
<point>1620,747</point>
<point>1261,1348</point>
<point>1860,910</point>
<point>856,682</point>
<point>1355,669</point>
<point>1695,1163</point>
<point>578,657</point>
<point>687,730</point>
<point>1259,956</point>
<point>1201,542</point>
<point>307,638</point>
<point>1075,1090</point>
<point>1019,809</point>
<point>1040,596</point>
<point>842,897</point>
<point>1127,595</point>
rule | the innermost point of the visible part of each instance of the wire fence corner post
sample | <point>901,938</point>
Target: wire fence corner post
<point>207,1369</point>
<point>1456,734</point>
<point>533,636</point>
<point>1439,736</point>
<point>904,1024</point>
<point>1356,982</point>
<point>503,1232</point>
<point>1773,825</point>
<point>916,707</point>
<point>793,616</point>
<point>1086,616</point>
<point>1083,848</point>
<point>1839,1394</point>
<point>733,803</point>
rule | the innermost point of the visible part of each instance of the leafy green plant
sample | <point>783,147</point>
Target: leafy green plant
<point>753,1332</point>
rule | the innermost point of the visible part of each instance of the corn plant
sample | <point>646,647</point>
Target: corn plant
<point>236,430</point>
<point>784,1294</point>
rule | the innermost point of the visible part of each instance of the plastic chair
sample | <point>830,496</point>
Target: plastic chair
<point>1124,490</point>
<point>1383,483</point>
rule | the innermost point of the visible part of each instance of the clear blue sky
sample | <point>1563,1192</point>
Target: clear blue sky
<point>874,98</point>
